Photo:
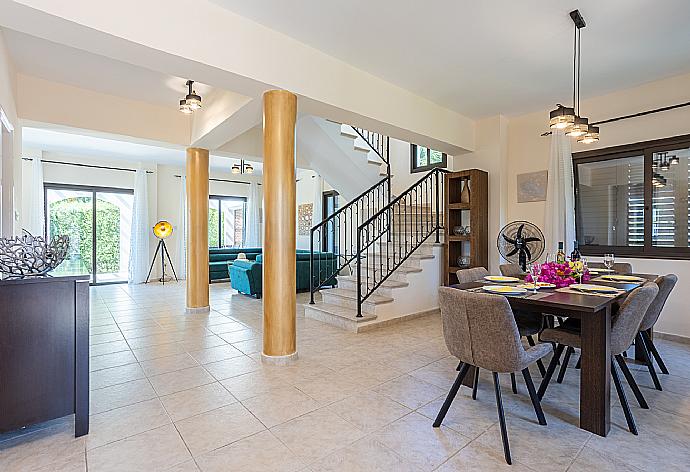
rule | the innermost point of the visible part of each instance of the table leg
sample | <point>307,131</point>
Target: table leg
<point>639,350</point>
<point>595,372</point>
<point>468,381</point>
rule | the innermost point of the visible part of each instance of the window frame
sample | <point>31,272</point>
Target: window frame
<point>414,168</point>
<point>646,149</point>
<point>220,198</point>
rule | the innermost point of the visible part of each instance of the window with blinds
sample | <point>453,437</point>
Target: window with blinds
<point>613,195</point>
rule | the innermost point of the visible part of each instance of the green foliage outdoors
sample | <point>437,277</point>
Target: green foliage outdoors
<point>73,216</point>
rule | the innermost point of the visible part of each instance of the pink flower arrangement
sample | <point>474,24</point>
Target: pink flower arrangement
<point>561,275</point>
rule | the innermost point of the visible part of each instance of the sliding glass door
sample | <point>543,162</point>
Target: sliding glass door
<point>98,221</point>
<point>226,217</point>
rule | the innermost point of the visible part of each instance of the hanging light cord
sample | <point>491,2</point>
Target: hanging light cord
<point>575,70</point>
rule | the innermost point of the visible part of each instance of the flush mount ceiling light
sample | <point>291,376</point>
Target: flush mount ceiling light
<point>569,118</point>
<point>192,101</point>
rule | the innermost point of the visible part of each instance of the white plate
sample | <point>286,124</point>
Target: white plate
<point>594,288</point>
<point>623,278</point>
<point>504,289</point>
<point>599,270</point>
<point>500,278</point>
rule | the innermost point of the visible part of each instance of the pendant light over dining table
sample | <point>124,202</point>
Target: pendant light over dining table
<point>570,119</point>
<point>192,101</point>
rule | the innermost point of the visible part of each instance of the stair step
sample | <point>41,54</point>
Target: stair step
<point>336,315</point>
<point>349,282</point>
<point>401,269</point>
<point>348,299</point>
<point>347,130</point>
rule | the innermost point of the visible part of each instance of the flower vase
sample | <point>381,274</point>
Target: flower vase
<point>465,194</point>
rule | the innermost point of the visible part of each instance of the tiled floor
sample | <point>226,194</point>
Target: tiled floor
<point>183,393</point>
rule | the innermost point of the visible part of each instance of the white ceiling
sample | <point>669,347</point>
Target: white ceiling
<point>74,143</point>
<point>481,58</point>
<point>59,63</point>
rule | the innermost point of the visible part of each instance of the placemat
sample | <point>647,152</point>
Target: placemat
<point>602,279</point>
<point>606,295</point>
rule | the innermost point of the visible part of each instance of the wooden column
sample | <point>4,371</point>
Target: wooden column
<point>197,230</point>
<point>279,265</point>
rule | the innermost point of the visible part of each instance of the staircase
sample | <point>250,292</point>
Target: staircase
<point>385,248</point>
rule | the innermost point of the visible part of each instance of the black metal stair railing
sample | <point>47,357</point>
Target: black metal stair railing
<point>390,236</point>
<point>335,238</point>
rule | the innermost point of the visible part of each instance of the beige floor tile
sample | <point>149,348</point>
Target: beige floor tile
<point>158,449</point>
<point>365,455</point>
<point>237,336</point>
<point>161,350</point>
<point>127,421</point>
<point>108,348</point>
<point>173,382</point>
<point>120,395</point>
<point>410,391</point>
<point>51,446</point>
<point>590,459</point>
<point>188,466</point>
<point>369,411</point>
<point>74,464</point>
<point>163,365</point>
<point>261,452</point>
<point>280,406</point>
<point>476,456</point>
<point>316,434</point>
<point>415,439</point>
<point>217,428</point>
<point>215,354</point>
<point>115,375</point>
<point>232,367</point>
<point>254,383</point>
<point>196,400</point>
<point>114,359</point>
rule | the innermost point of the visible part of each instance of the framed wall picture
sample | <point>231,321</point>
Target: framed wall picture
<point>304,218</point>
<point>531,187</point>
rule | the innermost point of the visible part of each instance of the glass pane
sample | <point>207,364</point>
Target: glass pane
<point>213,216</point>
<point>435,157</point>
<point>113,233</point>
<point>70,212</point>
<point>421,157</point>
<point>611,202</point>
<point>232,221</point>
<point>670,198</point>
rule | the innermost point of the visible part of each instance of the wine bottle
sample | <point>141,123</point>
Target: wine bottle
<point>575,255</point>
<point>560,255</point>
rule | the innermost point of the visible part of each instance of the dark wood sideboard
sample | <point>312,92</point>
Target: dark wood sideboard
<point>44,351</point>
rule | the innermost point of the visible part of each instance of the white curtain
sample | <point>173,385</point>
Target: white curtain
<point>182,232</point>
<point>37,215</point>
<point>252,236</point>
<point>559,211</point>
<point>317,215</point>
<point>139,240</point>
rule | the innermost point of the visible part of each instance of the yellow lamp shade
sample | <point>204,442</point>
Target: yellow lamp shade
<point>162,229</point>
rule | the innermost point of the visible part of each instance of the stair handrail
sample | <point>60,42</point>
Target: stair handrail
<point>428,190</point>
<point>379,195</point>
<point>379,143</point>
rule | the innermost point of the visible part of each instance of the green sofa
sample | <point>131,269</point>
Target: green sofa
<point>219,257</point>
<point>245,276</point>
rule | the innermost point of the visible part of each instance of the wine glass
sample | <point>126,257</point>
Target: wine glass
<point>535,272</point>
<point>609,260</point>
<point>585,268</point>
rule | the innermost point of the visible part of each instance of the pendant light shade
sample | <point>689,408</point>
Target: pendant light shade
<point>562,117</point>
<point>248,169</point>
<point>674,160</point>
<point>236,169</point>
<point>192,100</point>
<point>579,128</point>
<point>591,136</point>
<point>184,108</point>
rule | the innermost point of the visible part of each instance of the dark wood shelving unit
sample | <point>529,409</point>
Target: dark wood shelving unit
<point>475,214</point>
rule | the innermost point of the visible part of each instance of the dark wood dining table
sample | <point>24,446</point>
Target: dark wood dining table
<point>594,313</point>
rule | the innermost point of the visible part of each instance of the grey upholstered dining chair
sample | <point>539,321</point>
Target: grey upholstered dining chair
<point>480,330</point>
<point>471,275</point>
<point>624,327</point>
<point>618,267</point>
<point>666,284</point>
<point>512,270</point>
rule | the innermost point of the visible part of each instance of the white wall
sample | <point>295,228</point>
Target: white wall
<point>528,152</point>
<point>10,151</point>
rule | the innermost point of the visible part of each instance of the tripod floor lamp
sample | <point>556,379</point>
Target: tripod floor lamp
<point>162,230</point>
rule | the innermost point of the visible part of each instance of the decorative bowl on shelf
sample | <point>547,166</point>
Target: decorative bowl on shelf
<point>29,255</point>
<point>463,261</point>
<point>459,230</point>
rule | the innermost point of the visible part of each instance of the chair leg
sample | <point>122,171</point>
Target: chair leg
<point>460,364</point>
<point>533,396</point>
<point>648,361</point>
<point>652,348</point>
<point>513,383</point>
<point>624,401</point>
<point>631,381</point>
<point>579,363</point>
<point>475,384</point>
<point>502,419</point>
<point>564,365</point>
<point>550,370</point>
<point>451,395</point>
<point>540,364</point>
